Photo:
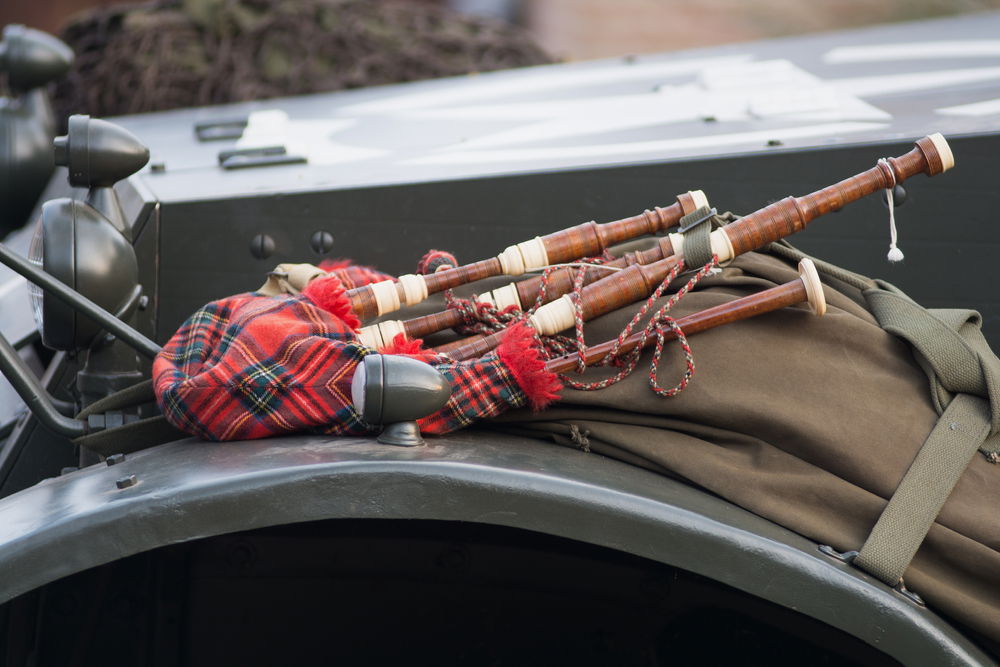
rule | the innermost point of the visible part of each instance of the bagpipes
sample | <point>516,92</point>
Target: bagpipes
<point>250,365</point>
<point>583,240</point>
<point>550,304</point>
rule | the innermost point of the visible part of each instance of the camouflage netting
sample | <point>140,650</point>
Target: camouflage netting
<point>180,53</point>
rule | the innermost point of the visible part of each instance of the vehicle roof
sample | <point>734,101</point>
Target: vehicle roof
<point>882,83</point>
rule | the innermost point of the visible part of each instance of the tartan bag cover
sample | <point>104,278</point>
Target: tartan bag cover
<point>250,366</point>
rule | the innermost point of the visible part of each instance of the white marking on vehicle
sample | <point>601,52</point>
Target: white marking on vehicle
<point>984,108</point>
<point>973,48</point>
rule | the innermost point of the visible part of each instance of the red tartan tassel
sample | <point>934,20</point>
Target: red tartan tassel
<point>411,348</point>
<point>328,294</point>
<point>519,352</point>
<point>436,260</point>
<point>403,345</point>
<point>331,265</point>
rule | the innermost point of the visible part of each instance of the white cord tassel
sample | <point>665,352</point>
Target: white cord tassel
<point>895,254</point>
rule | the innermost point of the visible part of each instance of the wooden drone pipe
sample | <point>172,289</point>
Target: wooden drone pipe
<point>629,285</point>
<point>931,156</point>
<point>807,288</point>
<point>559,282</point>
<point>522,295</point>
<point>583,240</point>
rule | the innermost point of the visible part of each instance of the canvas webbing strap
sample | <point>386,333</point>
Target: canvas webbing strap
<point>696,227</point>
<point>289,279</point>
<point>924,489</point>
<point>137,394</point>
<point>964,384</point>
<point>951,344</point>
<point>963,374</point>
<point>131,437</point>
<point>827,270</point>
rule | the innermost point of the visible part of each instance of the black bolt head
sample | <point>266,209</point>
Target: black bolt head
<point>126,482</point>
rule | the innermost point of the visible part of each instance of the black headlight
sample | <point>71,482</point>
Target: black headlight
<point>35,256</point>
<point>85,245</point>
<point>25,163</point>
<point>32,58</point>
<point>81,248</point>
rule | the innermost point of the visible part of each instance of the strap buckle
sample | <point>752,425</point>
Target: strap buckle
<point>694,223</point>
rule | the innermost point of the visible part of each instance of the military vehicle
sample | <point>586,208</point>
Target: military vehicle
<point>480,546</point>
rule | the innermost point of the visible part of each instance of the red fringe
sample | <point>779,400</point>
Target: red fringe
<point>403,345</point>
<point>519,352</point>
<point>329,265</point>
<point>328,294</point>
<point>412,348</point>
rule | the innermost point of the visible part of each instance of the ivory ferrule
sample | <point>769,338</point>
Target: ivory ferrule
<point>814,287</point>
<point>554,316</point>
<point>525,256</point>
<point>699,199</point>
<point>944,150</point>
<point>677,243</point>
<point>370,336</point>
<point>386,296</point>
<point>379,335</point>
<point>414,288</point>
<point>722,247</point>
<point>502,297</point>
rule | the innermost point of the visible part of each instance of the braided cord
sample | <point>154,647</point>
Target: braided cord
<point>480,317</point>
<point>658,326</point>
<point>484,318</point>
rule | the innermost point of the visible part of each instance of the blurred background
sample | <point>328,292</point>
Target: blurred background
<point>585,29</point>
<point>163,54</point>
<point>134,57</point>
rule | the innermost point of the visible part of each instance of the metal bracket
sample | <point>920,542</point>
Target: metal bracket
<point>901,588</point>
<point>256,151</point>
<point>221,129</point>
<point>266,157</point>
<point>845,557</point>
<point>109,419</point>
<point>850,556</point>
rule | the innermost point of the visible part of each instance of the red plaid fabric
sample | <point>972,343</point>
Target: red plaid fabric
<point>251,366</point>
<point>436,260</point>
<point>353,275</point>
